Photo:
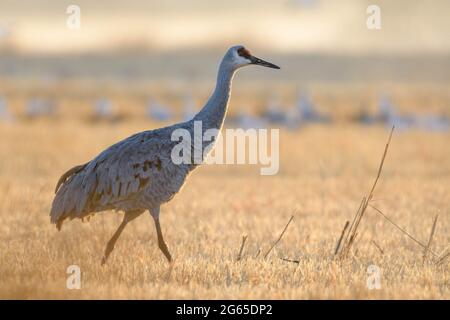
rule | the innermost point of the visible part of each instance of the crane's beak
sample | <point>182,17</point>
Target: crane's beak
<point>260,62</point>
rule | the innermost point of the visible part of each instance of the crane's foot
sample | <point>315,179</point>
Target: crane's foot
<point>112,241</point>
<point>104,259</point>
<point>169,257</point>
<point>163,247</point>
<point>108,250</point>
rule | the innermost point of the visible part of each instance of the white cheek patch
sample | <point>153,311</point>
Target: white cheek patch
<point>242,60</point>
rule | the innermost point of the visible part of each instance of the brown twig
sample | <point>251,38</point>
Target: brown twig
<point>257,253</point>
<point>358,219</point>
<point>244,239</point>
<point>381,165</point>
<point>377,246</point>
<point>341,237</point>
<point>348,241</point>
<point>442,257</point>
<point>353,230</point>
<point>433,228</point>
<point>289,260</point>
<point>279,238</point>
<point>401,229</point>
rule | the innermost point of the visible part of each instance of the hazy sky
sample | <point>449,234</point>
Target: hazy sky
<point>334,26</point>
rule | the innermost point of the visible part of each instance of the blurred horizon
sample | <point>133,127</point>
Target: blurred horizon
<point>314,41</point>
<point>190,66</point>
<point>284,27</point>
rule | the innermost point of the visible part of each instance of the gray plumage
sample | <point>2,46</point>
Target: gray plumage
<point>138,174</point>
<point>135,173</point>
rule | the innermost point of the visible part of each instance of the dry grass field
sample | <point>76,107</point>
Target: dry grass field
<point>325,170</point>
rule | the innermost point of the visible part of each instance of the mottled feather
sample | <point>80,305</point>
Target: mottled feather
<point>131,173</point>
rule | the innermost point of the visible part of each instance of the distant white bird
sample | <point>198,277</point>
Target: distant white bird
<point>189,108</point>
<point>287,117</point>
<point>39,107</point>
<point>386,109</point>
<point>103,109</point>
<point>389,116</point>
<point>274,113</point>
<point>293,118</point>
<point>138,174</point>
<point>5,115</point>
<point>157,111</point>
<point>308,112</point>
<point>246,121</point>
<point>434,123</point>
<point>5,32</point>
<point>364,116</point>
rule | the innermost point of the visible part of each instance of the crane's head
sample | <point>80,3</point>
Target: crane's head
<point>239,56</point>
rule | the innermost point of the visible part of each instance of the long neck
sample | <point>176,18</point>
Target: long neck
<point>213,113</point>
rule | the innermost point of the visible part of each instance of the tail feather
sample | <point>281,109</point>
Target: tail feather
<point>68,194</point>
<point>68,174</point>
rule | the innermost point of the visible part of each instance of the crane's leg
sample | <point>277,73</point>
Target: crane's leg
<point>129,215</point>
<point>161,243</point>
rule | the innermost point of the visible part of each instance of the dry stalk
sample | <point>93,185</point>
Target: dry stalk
<point>353,230</point>
<point>279,238</point>
<point>402,230</point>
<point>244,239</point>
<point>378,247</point>
<point>433,228</point>
<point>443,257</point>
<point>346,242</point>
<point>341,237</point>
<point>289,260</point>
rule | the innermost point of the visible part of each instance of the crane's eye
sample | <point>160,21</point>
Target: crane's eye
<point>244,53</point>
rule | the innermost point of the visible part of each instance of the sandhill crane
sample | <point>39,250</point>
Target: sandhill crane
<point>308,112</point>
<point>273,112</point>
<point>289,117</point>
<point>103,109</point>
<point>157,111</point>
<point>388,115</point>
<point>138,174</point>
<point>188,108</point>
<point>5,115</point>
<point>245,120</point>
<point>432,122</point>
<point>38,107</point>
